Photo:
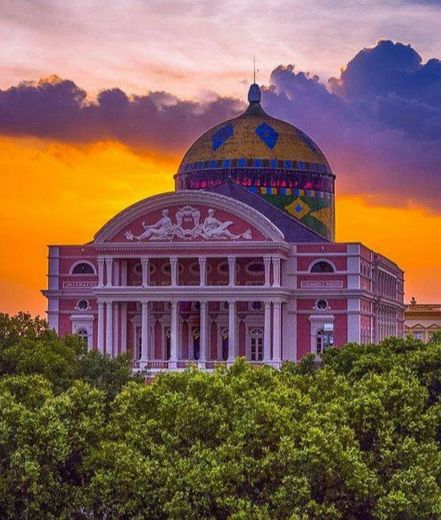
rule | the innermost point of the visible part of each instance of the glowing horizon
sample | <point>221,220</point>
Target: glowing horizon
<point>67,213</point>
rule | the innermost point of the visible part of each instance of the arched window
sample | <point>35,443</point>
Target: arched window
<point>256,344</point>
<point>83,268</point>
<point>167,343</point>
<point>324,338</point>
<point>83,334</point>
<point>322,267</point>
<point>224,337</point>
<point>196,343</point>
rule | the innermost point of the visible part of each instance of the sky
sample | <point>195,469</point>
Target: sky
<point>100,99</point>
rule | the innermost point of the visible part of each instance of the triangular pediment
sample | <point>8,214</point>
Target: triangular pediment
<point>189,216</point>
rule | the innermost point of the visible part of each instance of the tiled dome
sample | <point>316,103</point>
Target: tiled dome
<point>268,156</point>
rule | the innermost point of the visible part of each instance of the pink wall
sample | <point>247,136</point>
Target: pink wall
<point>340,330</point>
<point>303,336</point>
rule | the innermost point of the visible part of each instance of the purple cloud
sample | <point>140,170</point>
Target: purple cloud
<point>379,123</point>
<point>59,109</point>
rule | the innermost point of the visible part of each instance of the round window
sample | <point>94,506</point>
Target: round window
<point>255,268</point>
<point>321,304</point>
<point>256,306</point>
<point>83,305</point>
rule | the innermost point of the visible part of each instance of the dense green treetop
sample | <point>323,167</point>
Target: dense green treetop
<point>356,437</point>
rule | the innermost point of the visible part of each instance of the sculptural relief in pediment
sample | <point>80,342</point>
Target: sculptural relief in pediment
<point>188,223</point>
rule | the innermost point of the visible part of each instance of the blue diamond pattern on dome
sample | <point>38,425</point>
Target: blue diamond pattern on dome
<point>268,135</point>
<point>222,135</point>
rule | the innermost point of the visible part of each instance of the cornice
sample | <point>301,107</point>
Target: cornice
<point>189,248</point>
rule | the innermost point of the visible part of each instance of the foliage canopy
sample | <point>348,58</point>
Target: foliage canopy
<point>357,437</point>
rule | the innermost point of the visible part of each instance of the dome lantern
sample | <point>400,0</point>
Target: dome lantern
<point>254,94</point>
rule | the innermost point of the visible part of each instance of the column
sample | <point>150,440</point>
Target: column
<point>109,269</point>
<point>277,332</point>
<point>267,334</point>
<point>145,271</point>
<point>276,271</point>
<point>100,272</point>
<point>267,264</point>
<point>144,334</point>
<point>174,271</point>
<point>100,343</point>
<point>232,331</point>
<point>115,329</point>
<point>174,332</point>
<point>109,327</point>
<point>232,270</point>
<point>124,272</point>
<point>202,271</point>
<point>203,334</point>
<point>117,273</point>
<point>123,338</point>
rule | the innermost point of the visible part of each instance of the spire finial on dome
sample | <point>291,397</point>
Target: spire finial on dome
<point>254,94</point>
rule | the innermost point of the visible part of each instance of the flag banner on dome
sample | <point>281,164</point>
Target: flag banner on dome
<point>312,208</point>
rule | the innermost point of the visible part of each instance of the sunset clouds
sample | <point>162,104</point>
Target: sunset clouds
<point>379,122</point>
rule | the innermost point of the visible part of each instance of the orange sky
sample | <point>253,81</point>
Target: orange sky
<point>57,193</point>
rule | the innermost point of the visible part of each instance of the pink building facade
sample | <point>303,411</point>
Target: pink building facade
<point>206,274</point>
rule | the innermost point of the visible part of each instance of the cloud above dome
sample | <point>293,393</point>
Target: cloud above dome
<point>379,123</point>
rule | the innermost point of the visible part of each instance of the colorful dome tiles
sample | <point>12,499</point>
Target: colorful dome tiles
<point>269,157</point>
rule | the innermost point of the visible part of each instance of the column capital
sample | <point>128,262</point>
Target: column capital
<point>100,302</point>
<point>202,259</point>
<point>267,305</point>
<point>203,303</point>
<point>145,260</point>
<point>231,302</point>
<point>277,305</point>
<point>173,259</point>
<point>266,260</point>
<point>107,302</point>
<point>144,304</point>
<point>101,260</point>
<point>173,304</point>
<point>232,259</point>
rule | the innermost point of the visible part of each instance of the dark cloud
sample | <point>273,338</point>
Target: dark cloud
<point>379,123</point>
<point>59,109</point>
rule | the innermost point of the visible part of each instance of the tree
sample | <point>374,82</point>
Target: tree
<point>29,347</point>
<point>44,441</point>
<point>355,437</point>
<point>22,325</point>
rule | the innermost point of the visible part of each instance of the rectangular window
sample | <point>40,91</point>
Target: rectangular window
<point>256,348</point>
